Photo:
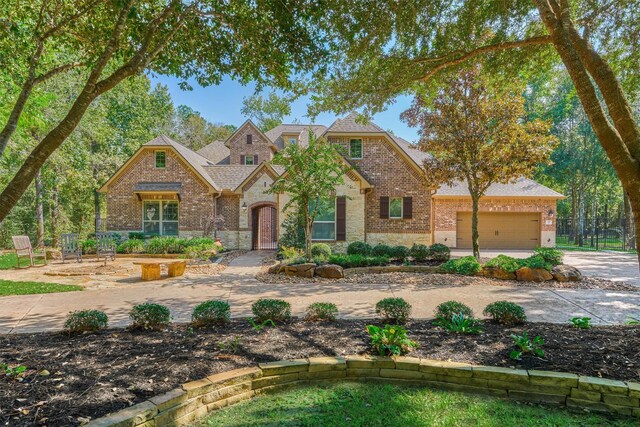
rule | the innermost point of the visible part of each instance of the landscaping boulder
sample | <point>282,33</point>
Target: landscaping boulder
<point>330,271</point>
<point>275,269</point>
<point>566,273</point>
<point>526,274</point>
<point>497,273</point>
<point>300,270</point>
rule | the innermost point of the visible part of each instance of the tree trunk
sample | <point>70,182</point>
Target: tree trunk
<point>629,228</point>
<point>96,195</point>
<point>474,226</point>
<point>307,236</point>
<point>55,216</point>
<point>39,211</point>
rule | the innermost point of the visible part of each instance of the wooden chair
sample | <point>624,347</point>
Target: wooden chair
<point>106,246</point>
<point>71,247</point>
<point>23,249</point>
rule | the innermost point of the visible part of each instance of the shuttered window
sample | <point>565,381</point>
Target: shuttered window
<point>395,207</point>
<point>255,159</point>
<point>242,159</point>
<point>407,207</point>
<point>341,218</point>
<point>384,207</point>
<point>324,226</point>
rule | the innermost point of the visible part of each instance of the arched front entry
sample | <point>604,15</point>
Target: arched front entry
<point>264,223</point>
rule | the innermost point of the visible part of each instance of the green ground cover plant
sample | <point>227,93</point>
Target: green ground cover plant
<point>448,308</point>
<point>392,340</point>
<point>9,287</point>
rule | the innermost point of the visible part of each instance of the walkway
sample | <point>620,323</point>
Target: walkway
<point>31,313</point>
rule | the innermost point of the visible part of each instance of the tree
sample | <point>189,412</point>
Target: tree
<point>311,176</point>
<point>477,136</point>
<point>267,112</point>
<point>386,48</point>
<point>110,41</point>
<point>195,131</point>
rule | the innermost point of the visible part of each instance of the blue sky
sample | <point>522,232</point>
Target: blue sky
<point>222,104</point>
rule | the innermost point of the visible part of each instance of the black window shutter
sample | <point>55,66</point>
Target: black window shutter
<point>242,159</point>
<point>384,207</point>
<point>255,159</point>
<point>407,207</point>
<point>249,138</point>
<point>341,218</point>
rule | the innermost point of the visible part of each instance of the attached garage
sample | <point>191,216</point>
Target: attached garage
<point>500,230</point>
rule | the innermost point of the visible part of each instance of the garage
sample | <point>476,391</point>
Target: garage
<point>500,230</point>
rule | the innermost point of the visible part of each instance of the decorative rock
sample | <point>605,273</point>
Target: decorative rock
<point>497,273</point>
<point>275,269</point>
<point>566,273</point>
<point>300,270</point>
<point>330,271</point>
<point>526,274</point>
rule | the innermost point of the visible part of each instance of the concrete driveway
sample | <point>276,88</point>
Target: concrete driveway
<point>616,266</point>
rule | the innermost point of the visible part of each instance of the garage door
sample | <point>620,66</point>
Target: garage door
<point>500,230</point>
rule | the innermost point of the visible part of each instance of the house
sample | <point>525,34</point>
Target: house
<point>168,189</point>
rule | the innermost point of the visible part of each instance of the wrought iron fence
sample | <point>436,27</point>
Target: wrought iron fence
<point>599,233</point>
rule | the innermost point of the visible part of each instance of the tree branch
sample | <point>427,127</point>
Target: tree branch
<point>55,71</point>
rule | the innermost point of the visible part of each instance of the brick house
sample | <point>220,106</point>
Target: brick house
<point>168,189</point>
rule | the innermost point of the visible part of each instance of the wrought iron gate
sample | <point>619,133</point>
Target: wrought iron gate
<point>264,228</point>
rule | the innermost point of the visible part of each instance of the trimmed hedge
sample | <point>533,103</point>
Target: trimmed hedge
<point>359,248</point>
<point>320,250</point>
<point>85,321</point>
<point>149,316</point>
<point>276,310</point>
<point>505,312</point>
<point>352,261</point>
<point>214,312</point>
<point>395,310</point>
<point>447,309</point>
<point>319,311</point>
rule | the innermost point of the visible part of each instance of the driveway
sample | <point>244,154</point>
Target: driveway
<point>616,266</point>
<point>31,313</point>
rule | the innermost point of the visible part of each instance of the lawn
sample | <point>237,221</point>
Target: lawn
<point>8,261</point>
<point>8,287</point>
<point>357,404</point>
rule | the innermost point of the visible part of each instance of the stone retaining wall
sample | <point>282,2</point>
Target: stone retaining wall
<point>195,399</point>
<point>391,269</point>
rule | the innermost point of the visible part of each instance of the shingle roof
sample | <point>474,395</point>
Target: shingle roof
<point>229,177</point>
<point>217,152</point>
<point>158,186</point>
<point>301,130</point>
<point>350,124</point>
<point>521,187</point>
<point>412,150</point>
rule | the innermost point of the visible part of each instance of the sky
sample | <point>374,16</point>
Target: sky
<point>222,104</point>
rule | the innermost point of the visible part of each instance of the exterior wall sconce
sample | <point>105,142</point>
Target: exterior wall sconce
<point>244,206</point>
<point>550,213</point>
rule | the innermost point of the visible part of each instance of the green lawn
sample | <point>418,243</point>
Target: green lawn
<point>8,261</point>
<point>357,404</point>
<point>8,287</point>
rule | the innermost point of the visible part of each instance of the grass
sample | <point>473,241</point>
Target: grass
<point>8,287</point>
<point>357,404</point>
<point>8,261</point>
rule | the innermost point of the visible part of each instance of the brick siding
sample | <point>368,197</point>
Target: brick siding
<point>238,145</point>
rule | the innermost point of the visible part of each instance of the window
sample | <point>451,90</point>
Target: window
<point>160,218</point>
<point>248,160</point>
<point>249,138</point>
<point>161,159</point>
<point>355,148</point>
<point>324,227</point>
<point>293,140</point>
<point>395,207</point>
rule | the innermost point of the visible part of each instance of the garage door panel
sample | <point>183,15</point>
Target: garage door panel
<point>498,230</point>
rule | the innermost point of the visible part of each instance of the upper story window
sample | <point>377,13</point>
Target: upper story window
<point>292,140</point>
<point>161,159</point>
<point>395,207</point>
<point>355,148</point>
<point>249,160</point>
<point>249,138</point>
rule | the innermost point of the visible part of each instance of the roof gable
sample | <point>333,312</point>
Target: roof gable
<point>249,123</point>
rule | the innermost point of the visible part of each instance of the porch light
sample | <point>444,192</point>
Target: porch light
<point>244,206</point>
<point>550,213</point>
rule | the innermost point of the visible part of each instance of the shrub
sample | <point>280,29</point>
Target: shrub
<point>293,230</point>
<point>212,312</point>
<point>419,252</point>
<point>536,261</point>
<point>290,252</point>
<point>320,250</point>
<point>581,322</point>
<point>199,241</point>
<point>505,313</point>
<point>149,316</point>
<point>392,340</point>
<point>505,262</point>
<point>353,261</point>
<point>202,251</point>
<point>321,311</point>
<point>448,308</point>
<point>399,252</point>
<point>381,250</point>
<point>276,310</point>
<point>550,255</point>
<point>89,246</point>
<point>131,246</point>
<point>467,265</point>
<point>138,235</point>
<point>85,321</point>
<point>460,324</point>
<point>166,245</point>
<point>359,248</point>
<point>393,310</point>
<point>439,252</point>
<point>524,346</point>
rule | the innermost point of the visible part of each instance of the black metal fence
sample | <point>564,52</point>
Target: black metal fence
<point>596,233</point>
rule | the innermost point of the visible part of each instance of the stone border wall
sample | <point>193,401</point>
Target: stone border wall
<point>391,269</point>
<point>195,399</point>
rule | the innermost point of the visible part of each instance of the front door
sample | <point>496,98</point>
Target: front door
<point>264,228</point>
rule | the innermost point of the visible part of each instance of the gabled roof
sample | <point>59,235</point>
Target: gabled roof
<point>229,177</point>
<point>216,152</point>
<point>276,171</point>
<point>350,124</point>
<point>300,130</point>
<point>521,187</point>
<point>248,122</point>
<point>412,150</point>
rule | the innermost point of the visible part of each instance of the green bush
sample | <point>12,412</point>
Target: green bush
<point>419,252</point>
<point>550,255</point>
<point>321,311</point>
<point>392,340</point>
<point>399,252</point>
<point>89,246</point>
<point>460,324</point>
<point>393,310</point>
<point>131,246</point>
<point>505,313</point>
<point>467,265</point>
<point>199,241</point>
<point>293,230</point>
<point>359,248</point>
<point>353,261</point>
<point>439,252</point>
<point>166,245</point>
<point>447,309</point>
<point>295,261</point>
<point>138,235</point>
<point>276,310</point>
<point>320,250</point>
<point>290,252</point>
<point>85,321</point>
<point>212,312</point>
<point>381,250</point>
<point>506,263</point>
<point>536,261</point>
<point>149,316</point>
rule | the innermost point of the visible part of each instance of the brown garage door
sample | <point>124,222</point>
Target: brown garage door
<point>500,230</point>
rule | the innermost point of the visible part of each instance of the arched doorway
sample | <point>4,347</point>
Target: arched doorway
<point>264,233</point>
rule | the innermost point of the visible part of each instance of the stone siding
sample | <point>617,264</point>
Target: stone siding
<point>238,145</point>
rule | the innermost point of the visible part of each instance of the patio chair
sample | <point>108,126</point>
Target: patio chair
<point>22,246</point>
<point>106,246</point>
<point>71,247</point>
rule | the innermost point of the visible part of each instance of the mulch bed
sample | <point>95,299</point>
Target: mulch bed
<point>93,374</point>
